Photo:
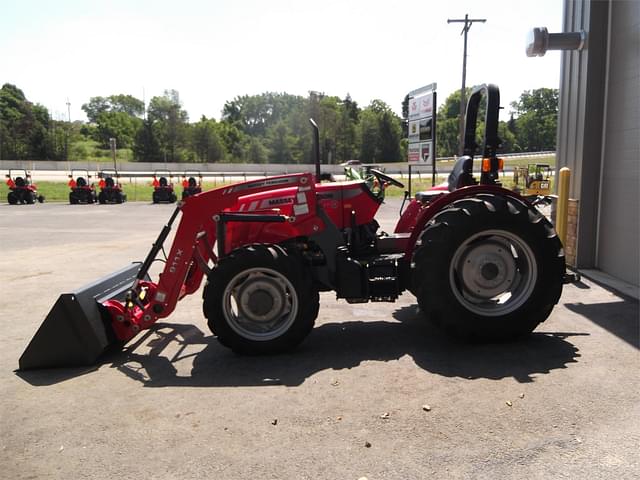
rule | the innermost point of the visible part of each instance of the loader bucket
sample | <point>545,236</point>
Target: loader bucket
<point>77,330</point>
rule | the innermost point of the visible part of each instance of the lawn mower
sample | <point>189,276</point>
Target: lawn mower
<point>483,263</point>
<point>110,188</point>
<point>163,188</point>
<point>21,188</point>
<point>191,185</point>
<point>81,190</point>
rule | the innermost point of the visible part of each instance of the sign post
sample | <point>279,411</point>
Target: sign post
<point>422,129</point>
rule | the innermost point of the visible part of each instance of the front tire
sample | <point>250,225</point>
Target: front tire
<point>260,299</point>
<point>488,268</point>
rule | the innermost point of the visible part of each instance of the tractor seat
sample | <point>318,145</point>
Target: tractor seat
<point>20,182</point>
<point>109,182</point>
<point>81,182</point>
<point>192,182</point>
<point>462,174</point>
<point>163,181</point>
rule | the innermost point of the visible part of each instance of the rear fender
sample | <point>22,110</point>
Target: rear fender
<point>428,212</point>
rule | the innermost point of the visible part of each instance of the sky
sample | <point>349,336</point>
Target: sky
<point>211,51</point>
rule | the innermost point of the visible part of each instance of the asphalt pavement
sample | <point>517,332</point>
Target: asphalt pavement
<point>375,391</point>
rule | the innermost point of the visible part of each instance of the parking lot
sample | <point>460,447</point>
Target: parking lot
<point>375,391</point>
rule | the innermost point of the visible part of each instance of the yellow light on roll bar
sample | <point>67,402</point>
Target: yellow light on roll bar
<point>486,164</point>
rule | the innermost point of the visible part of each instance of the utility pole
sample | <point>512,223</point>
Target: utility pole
<point>112,144</point>
<point>463,100</point>
<point>66,137</point>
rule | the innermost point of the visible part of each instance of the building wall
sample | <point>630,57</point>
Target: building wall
<point>598,133</point>
<point>618,229</point>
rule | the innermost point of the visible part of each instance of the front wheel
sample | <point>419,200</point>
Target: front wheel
<point>260,299</point>
<point>488,268</point>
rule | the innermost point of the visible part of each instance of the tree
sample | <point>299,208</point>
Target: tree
<point>127,104</point>
<point>95,107</point>
<point>280,144</point>
<point>24,127</point>
<point>232,139</point>
<point>346,131</point>
<point>114,103</point>
<point>119,125</point>
<point>380,132</point>
<point>146,147</point>
<point>256,152</point>
<point>536,119</point>
<point>205,141</point>
<point>169,123</point>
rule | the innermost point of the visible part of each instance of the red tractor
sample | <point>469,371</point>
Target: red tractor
<point>163,187</point>
<point>22,189</point>
<point>110,187</point>
<point>82,189</point>
<point>483,263</point>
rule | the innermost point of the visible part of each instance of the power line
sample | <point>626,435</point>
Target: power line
<point>463,101</point>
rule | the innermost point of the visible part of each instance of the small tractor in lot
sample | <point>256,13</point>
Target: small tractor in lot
<point>82,189</point>
<point>533,180</point>
<point>110,187</point>
<point>163,187</point>
<point>22,190</point>
<point>483,263</point>
<point>191,184</point>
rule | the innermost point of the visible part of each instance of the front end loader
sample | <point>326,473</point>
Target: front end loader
<point>483,263</point>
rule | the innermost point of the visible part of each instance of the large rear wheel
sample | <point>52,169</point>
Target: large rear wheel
<point>260,299</point>
<point>488,268</point>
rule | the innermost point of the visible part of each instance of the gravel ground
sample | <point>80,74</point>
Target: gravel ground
<point>374,391</point>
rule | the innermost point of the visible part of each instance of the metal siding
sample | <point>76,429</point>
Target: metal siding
<point>619,238</point>
<point>581,117</point>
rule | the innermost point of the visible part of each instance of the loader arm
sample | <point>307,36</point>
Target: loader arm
<point>190,253</point>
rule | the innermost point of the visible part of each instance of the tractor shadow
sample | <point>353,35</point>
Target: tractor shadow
<point>621,318</point>
<point>167,358</point>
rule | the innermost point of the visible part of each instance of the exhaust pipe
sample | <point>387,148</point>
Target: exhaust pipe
<point>316,147</point>
<point>77,330</point>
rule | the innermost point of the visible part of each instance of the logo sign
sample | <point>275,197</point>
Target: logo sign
<point>422,125</point>
<point>414,152</point>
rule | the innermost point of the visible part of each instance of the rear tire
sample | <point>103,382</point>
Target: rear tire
<point>12,198</point>
<point>488,268</point>
<point>102,198</point>
<point>260,299</point>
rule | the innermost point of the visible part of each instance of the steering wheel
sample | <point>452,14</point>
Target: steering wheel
<point>384,178</point>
